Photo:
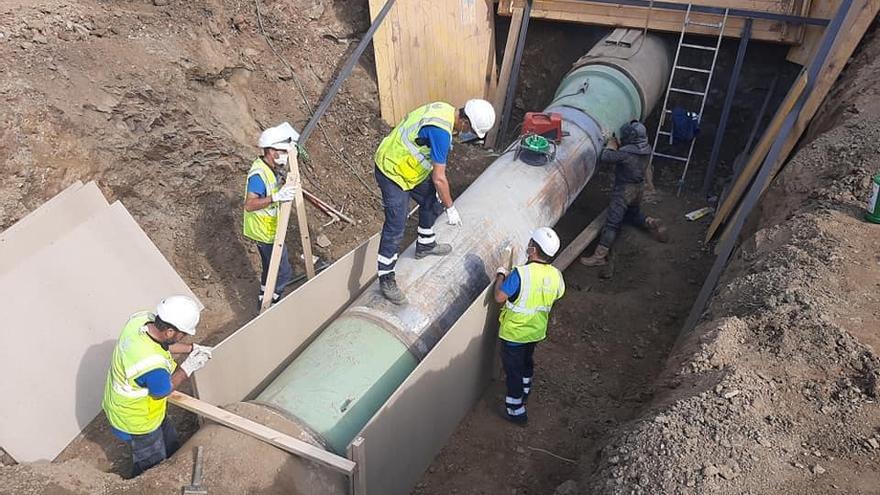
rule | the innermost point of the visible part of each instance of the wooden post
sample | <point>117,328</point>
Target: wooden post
<point>281,233</point>
<point>504,76</point>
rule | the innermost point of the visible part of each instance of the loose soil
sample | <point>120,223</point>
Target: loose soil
<point>775,392</point>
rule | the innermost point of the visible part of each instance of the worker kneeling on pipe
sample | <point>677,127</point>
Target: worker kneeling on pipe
<point>416,149</point>
<point>143,373</point>
<point>528,293</point>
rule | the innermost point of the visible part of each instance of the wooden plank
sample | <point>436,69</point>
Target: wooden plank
<point>433,51</point>
<point>281,234</point>
<point>252,356</point>
<point>763,146</point>
<point>577,246</point>
<point>504,78</point>
<point>49,222</point>
<point>69,301</point>
<point>263,433</point>
<point>665,20</point>
<point>458,370</point>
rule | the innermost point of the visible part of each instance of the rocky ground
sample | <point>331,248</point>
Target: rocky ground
<point>160,102</point>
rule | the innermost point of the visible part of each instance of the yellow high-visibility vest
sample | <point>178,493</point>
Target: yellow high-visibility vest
<point>525,319</point>
<point>128,406</point>
<point>260,225</point>
<point>403,160</point>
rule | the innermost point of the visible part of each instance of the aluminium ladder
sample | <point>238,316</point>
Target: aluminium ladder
<point>687,98</point>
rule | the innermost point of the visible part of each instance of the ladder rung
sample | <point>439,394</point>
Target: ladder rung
<point>705,24</point>
<point>687,91</point>
<point>698,47</point>
<point>693,69</point>
<point>664,133</point>
<point>671,157</point>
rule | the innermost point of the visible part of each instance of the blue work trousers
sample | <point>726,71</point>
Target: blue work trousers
<point>519,367</point>
<point>150,449</point>
<point>285,270</point>
<point>395,201</point>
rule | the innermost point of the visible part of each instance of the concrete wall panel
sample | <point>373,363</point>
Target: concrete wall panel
<point>63,309</point>
<point>405,435</point>
<point>248,359</point>
<point>49,222</point>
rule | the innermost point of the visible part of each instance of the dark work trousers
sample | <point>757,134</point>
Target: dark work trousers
<point>396,204</point>
<point>626,200</point>
<point>519,367</point>
<point>285,270</point>
<point>152,448</point>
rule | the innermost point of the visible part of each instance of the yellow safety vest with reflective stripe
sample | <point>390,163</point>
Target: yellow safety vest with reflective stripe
<point>400,158</point>
<point>525,319</point>
<point>128,406</point>
<point>260,225</point>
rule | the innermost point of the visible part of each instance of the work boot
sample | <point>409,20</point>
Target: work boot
<point>434,249</point>
<point>390,289</point>
<point>657,229</point>
<point>599,257</point>
<point>522,420</point>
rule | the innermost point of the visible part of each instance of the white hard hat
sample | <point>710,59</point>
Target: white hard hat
<point>481,114</point>
<point>180,311</point>
<point>280,137</point>
<point>547,240</point>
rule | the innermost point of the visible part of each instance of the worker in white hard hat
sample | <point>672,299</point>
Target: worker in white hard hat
<point>416,149</point>
<point>264,193</point>
<point>527,293</point>
<point>143,373</point>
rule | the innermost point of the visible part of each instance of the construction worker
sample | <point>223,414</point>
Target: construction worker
<point>527,293</point>
<point>629,164</point>
<point>143,373</point>
<point>414,151</point>
<point>263,194</point>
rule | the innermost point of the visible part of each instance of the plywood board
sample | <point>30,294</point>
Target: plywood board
<point>433,51</point>
<point>603,14</point>
<point>246,360</point>
<point>63,309</point>
<point>412,420</point>
<point>49,222</point>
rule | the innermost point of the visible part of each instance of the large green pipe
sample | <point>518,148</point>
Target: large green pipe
<point>335,386</point>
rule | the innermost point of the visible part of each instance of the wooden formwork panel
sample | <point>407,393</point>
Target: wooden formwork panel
<point>63,309</point>
<point>433,51</point>
<point>52,220</point>
<point>404,436</point>
<point>604,14</point>
<point>245,361</point>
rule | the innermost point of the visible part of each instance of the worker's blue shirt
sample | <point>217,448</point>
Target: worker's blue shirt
<point>438,140</point>
<point>511,286</point>
<point>158,383</point>
<point>256,185</point>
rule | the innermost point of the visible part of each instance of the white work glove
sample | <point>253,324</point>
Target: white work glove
<point>194,362</point>
<point>452,216</point>
<point>502,271</point>
<point>284,194</point>
<point>203,349</point>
